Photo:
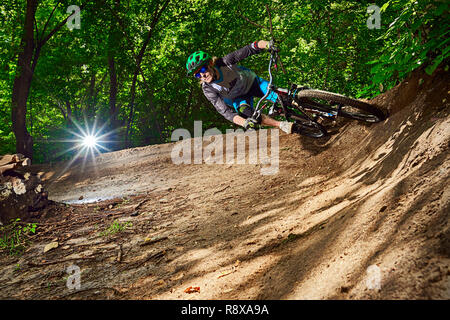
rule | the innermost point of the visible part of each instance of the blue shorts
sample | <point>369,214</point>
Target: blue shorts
<point>258,89</point>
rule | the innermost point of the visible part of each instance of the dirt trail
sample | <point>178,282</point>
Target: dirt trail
<point>367,199</point>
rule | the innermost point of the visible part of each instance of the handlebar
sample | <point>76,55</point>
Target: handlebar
<point>273,58</point>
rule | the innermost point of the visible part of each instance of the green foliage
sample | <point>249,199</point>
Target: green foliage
<point>15,237</point>
<point>417,36</point>
<point>115,227</point>
<point>324,44</point>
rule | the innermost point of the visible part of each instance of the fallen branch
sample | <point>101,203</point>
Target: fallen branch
<point>89,289</point>
<point>138,206</point>
<point>32,264</point>
<point>221,190</point>
<point>153,240</point>
<point>148,257</point>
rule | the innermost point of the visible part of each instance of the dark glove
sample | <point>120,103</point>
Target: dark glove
<point>250,124</point>
<point>271,46</point>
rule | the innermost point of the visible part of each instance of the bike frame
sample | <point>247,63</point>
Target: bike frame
<point>289,94</point>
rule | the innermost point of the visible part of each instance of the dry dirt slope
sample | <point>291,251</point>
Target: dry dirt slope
<point>367,196</point>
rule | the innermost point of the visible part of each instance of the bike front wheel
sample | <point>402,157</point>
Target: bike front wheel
<point>339,105</point>
<point>305,126</point>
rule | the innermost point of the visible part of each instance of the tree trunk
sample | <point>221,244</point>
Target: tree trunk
<point>26,65</point>
<point>112,93</point>
<point>114,39</point>
<point>90,103</point>
<point>22,84</point>
<point>131,115</point>
<point>139,58</point>
<point>113,111</point>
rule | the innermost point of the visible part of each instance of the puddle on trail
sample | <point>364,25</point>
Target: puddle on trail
<point>87,200</point>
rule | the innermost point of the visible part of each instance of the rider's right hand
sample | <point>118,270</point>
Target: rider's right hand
<point>271,46</point>
<point>249,124</point>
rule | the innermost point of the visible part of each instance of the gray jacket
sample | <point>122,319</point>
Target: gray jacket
<point>234,80</point>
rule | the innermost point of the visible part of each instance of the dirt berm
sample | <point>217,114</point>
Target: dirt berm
<point>362,214</point>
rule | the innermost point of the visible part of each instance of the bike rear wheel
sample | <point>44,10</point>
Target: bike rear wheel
<point>338,104</point>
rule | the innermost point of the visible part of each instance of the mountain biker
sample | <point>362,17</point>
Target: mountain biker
<point>231,88</point>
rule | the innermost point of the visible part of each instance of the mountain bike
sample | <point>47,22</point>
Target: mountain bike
<point>308,107</point>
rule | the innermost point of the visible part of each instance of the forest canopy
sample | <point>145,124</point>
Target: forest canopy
<point>121,66</point>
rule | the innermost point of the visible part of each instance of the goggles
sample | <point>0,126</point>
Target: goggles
<point>203,69</point>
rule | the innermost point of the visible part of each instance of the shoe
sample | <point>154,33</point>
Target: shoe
<point>296,128</point>
<point>286,126</point>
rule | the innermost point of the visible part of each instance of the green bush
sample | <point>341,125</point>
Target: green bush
<point>15,237</point>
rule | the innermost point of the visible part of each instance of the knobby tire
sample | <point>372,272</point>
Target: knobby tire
<point>350,108</point>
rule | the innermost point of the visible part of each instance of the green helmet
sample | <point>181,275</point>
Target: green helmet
<point>196,60</point>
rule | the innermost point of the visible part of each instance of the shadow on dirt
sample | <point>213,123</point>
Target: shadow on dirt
<point>365,195</point>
